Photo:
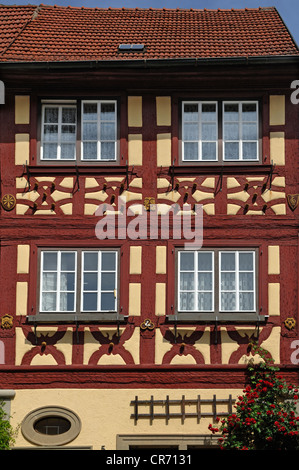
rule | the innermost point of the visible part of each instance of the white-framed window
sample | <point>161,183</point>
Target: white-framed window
<point>216,281</point>
<point>92,123</point>
<point>78,281</point>
<point>240,131</point>
<point>237,281</point>
<point>200,131</point>
<point>98,130</point>
<point>226,131</point>
<point>99,281</point>
<point>196,281</point>
<point>59,128</point>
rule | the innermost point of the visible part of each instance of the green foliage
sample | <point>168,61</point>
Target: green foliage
<point>7,433</point>
<point>265,416</point>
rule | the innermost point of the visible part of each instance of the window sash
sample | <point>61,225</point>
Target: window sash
<point>198,125</point>
<point>244,147</point>
<point>98,293</point>
<point>53,299</point>
<point>240,125</point>
<point>241,278</point>
<point>105,144</point>
<point>59,141</point>
<point>99,141</point>
<point>237,291</point>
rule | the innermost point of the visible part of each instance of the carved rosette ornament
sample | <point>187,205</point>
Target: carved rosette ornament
<point>6,322</point>
<point>8,202</point>
<point>290,323</point>
<point>149,203</point>
<point>293,201</point>
<point>147,325</point>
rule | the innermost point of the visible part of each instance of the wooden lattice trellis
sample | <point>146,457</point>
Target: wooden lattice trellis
<point>182,403</point>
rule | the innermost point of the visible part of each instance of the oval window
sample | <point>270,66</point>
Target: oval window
<point>51,425</point>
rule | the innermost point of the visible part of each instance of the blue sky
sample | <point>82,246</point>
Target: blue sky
<point>288,9</point>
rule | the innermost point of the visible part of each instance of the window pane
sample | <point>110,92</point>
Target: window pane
<point>231,150</point>
<point>228,261</point>
<point>67,281</point>
<point>90,111</point>
<point>186,261</point>
<point>68,133</point>
<point>67,302</point>
<point>228,281</point>
<point>246,281</point>
<point>51,115</point>
<point>107,301</point>
<point>49,151</point>
<point>50,133</point>
<point>205,261</point>
<point>68,115</point>
<point>205,281</point>
<point>246,301</point>
<point>90,261</point>
<point>205,301</point>
<point>231,112</point>
<point>68,152</point>
<point>249,151</point>
<point>209,151</point>
<point>187,281</point>
<point>90,301</point>
<point>249,132</point>
<point>108,281</point>
<point>191,131</point>
<point>90,150</point>
<point>107,112</point>
<point>107,131</point>
<point>48,302</point>
<point>228,301</point>
<point>246,261</point>
<point>231,131</point>
<point>186,301</point>
<point>49,261</point>
<point>49,282</point>
<point>108,261</point>
<point>209,132</point>
<point>90,281</point>
<point>249,112</point>
<point>68,261</point>
<point>208,112</point>
<point>191,112</point>
<point>191,151</point>
<point>107,151</point>
<point>52,425</point>
<point>90,131</point>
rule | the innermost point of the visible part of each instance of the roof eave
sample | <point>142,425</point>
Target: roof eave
<point>144,63</point>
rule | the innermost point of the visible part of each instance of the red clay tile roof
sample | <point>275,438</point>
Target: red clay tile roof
<point>54,33</point>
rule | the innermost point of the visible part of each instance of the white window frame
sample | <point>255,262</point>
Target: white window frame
<point>99,142</point>
<point>237,278</point>
<point>217,290</point>
<point>200,141</point>
<point>196,291</point>
<point>59,105</point>
<point>99,290</point>
<point>79,266</point>
<point>58,272</point>
<point>241,140</point>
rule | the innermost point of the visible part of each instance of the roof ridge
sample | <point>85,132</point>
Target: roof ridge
<point>46,6</point>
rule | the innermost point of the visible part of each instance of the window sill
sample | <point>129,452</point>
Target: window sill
<point>255,168</point>
<point>76,318</point>
<point>82,168</point>
<point>237,317</point>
